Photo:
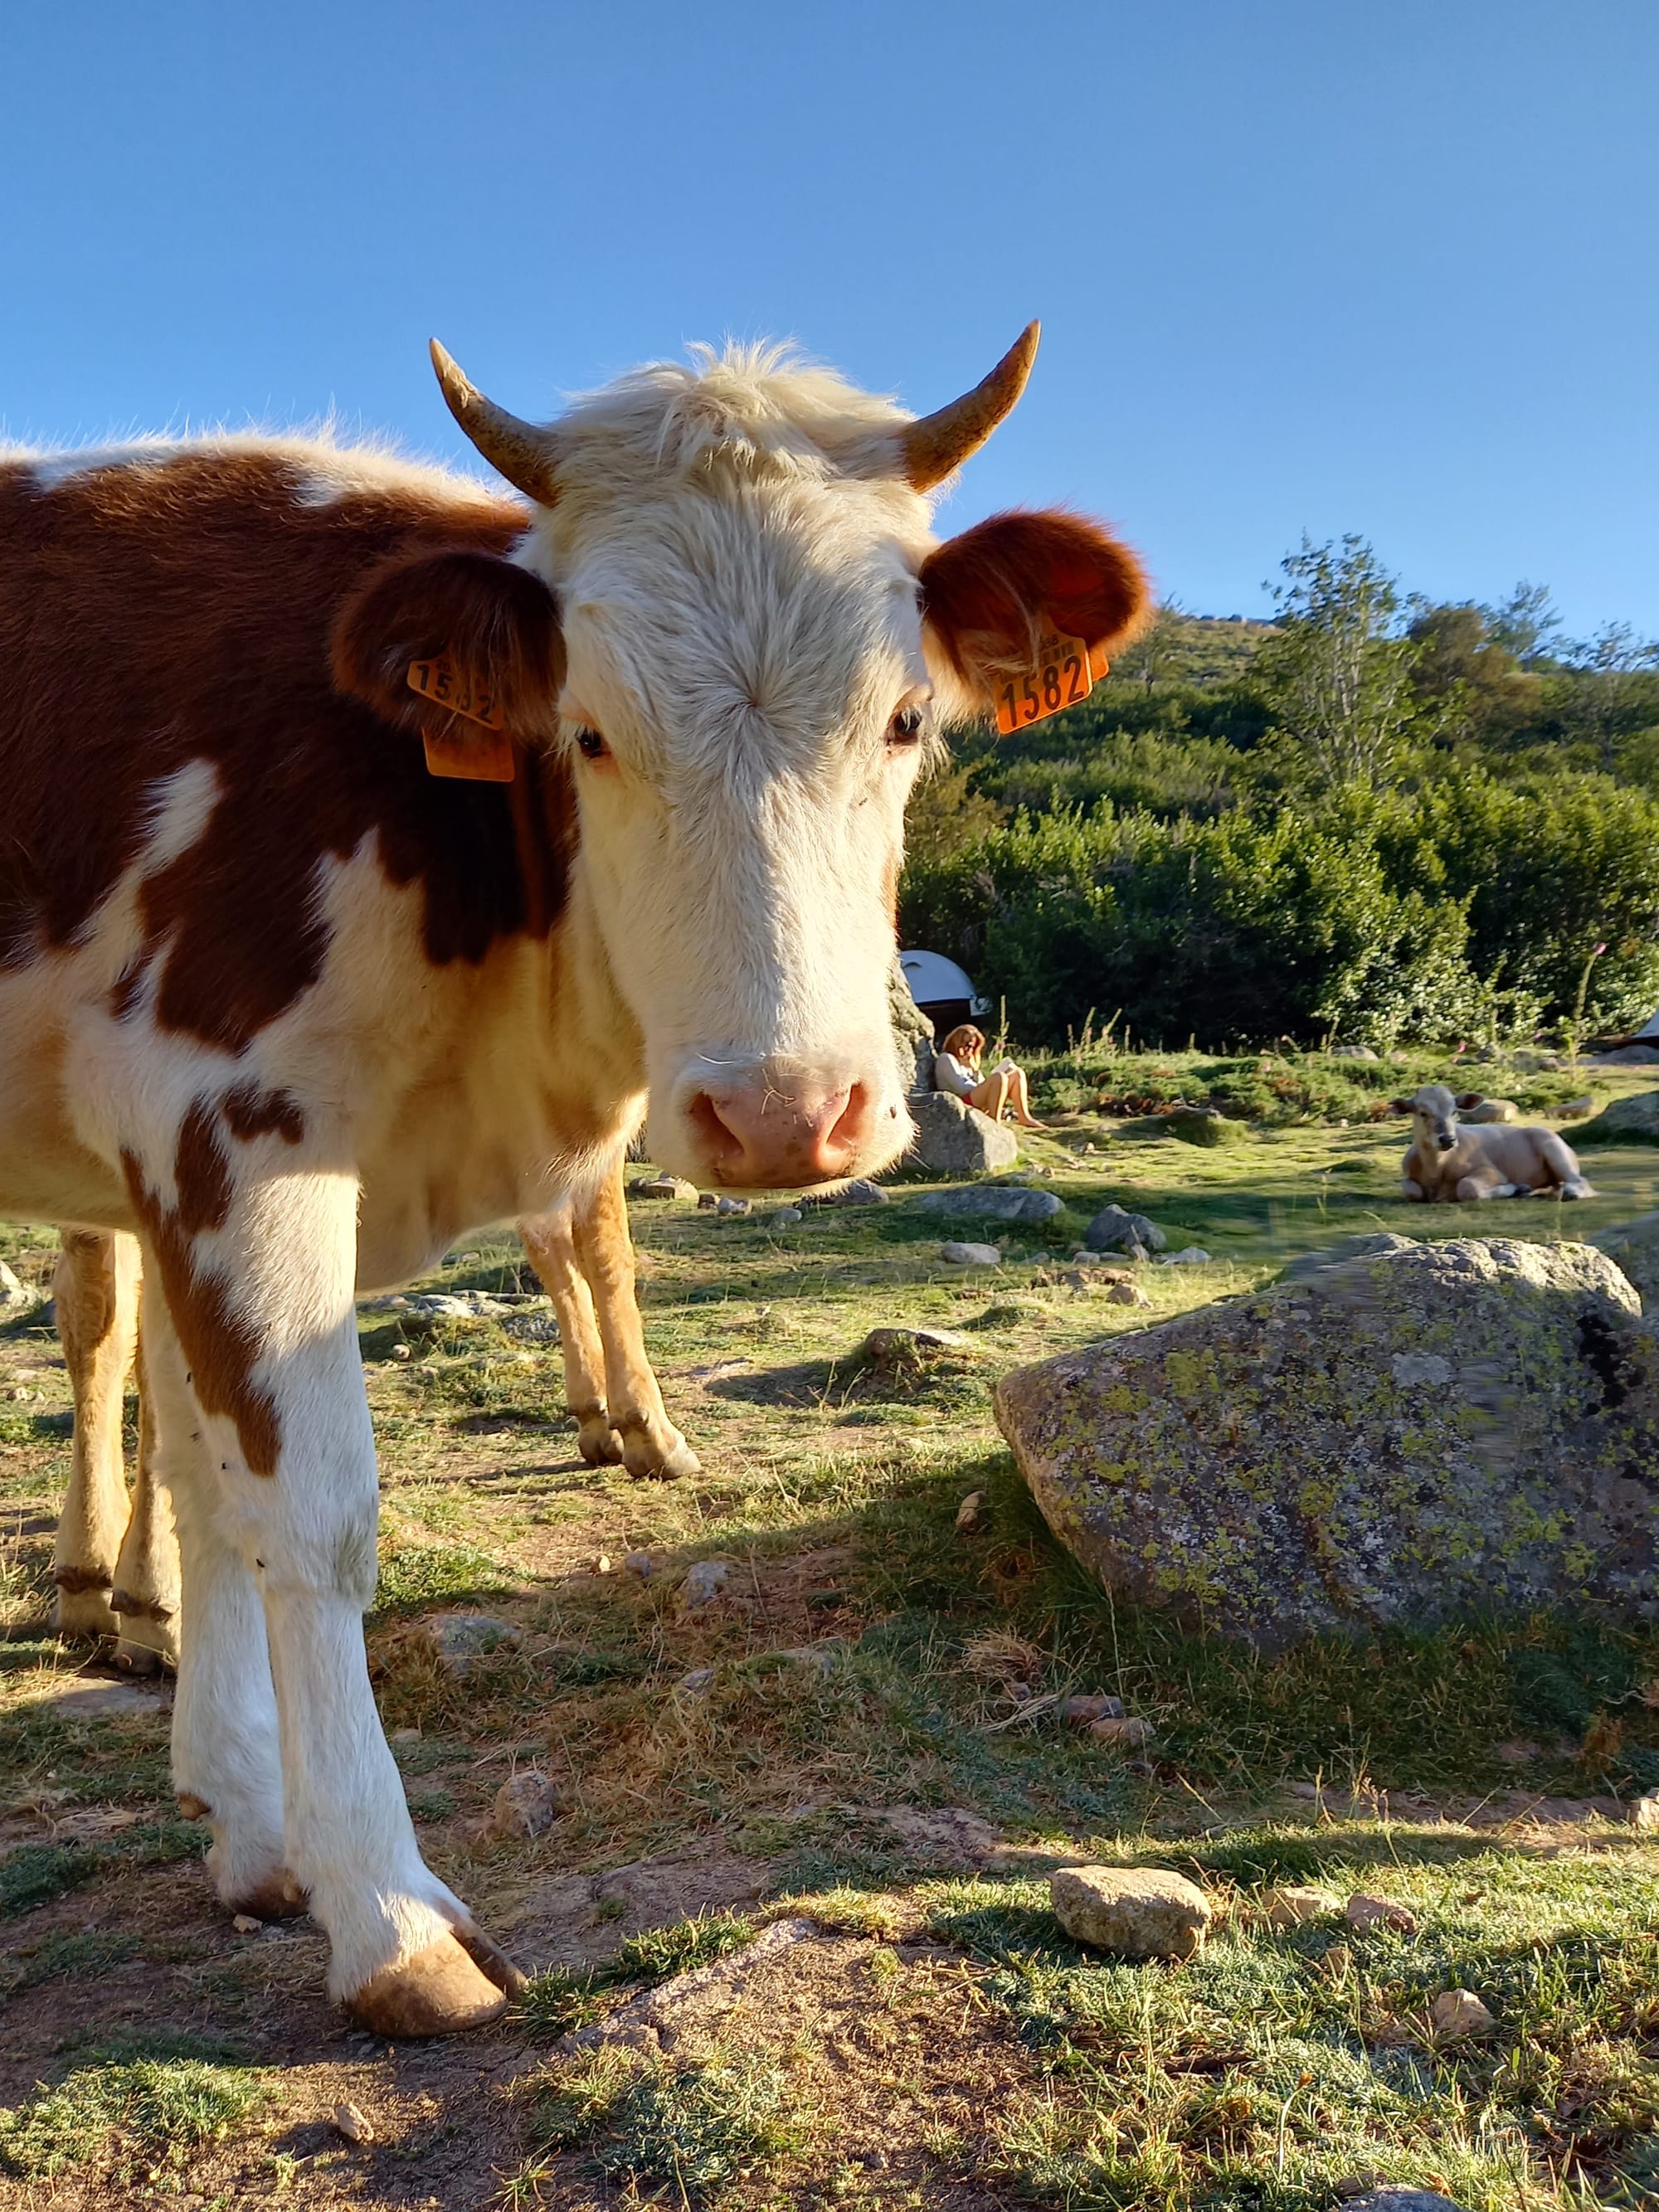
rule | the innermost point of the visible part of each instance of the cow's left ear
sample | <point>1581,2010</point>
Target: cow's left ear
<point>493,625</point>
<point>1468,1098</point>
<point>987,595</point>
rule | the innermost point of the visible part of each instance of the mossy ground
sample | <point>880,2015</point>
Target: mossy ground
<point>942,2044</point>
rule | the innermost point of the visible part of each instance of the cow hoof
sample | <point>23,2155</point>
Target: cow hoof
<point>656,1458</point>
<point>77,1613</point>
<point>440,1991</point>
<point>598,1442</point>
<point>147,1647</point>
<point>278,1897</point>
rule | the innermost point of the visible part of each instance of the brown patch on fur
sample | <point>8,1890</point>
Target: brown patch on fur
<point>250,1113</point>
<point>986,593</point>
<point>76,1579</point>
<point>222,1346</point>
<point>497,623</point>
<point>185,609</point>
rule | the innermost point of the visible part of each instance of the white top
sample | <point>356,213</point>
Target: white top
<point>950,1074</point>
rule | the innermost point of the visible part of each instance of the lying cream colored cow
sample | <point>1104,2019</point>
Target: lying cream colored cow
<point>117,1560</point>
<point>1447,1162</point>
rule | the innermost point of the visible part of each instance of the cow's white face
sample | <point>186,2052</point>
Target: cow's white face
<point>747,706</point>
<point>745,622</point>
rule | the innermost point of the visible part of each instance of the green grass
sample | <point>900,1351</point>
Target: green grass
<point>693,2128</point>
<point>554,2002</point>
<point>138,2106</point>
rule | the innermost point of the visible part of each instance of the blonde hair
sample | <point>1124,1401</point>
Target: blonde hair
<point>966,1042</point>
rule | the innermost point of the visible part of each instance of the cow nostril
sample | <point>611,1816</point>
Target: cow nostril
<point>852,1124</point>
<point>718,1141</point>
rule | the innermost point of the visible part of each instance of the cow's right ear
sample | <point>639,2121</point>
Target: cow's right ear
<point>497,624</point>
<point>1402,1106</point>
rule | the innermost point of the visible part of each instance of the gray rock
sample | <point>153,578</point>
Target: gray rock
<point>1626,1055</point>
<point>1576,1109</point>
<point>969,1255</point>
<point>732,1205</point>
<point>1133,1912</point>
<point>1633,1249</point>
<point>1087,1706</point>
<point>1112,1229</point>
<point>1632,1120</point>
<point>1390,2198</point>
<point>444,1305</point>
<point>702,1584</point>
<point>1353,1052</point>
<point>954,1138</point>
<point>526,1805</point>
<point>640,1564</point>
<point>1193,1255</point>
<point>1491,1109</point>
<point>992,1202</point>
<point>1264,1466</point>
<point>662,1186</point>
<point>1313,1264</point>
<point>1539,1063</point>
<point>860,1192</point>
<point>913,1033</point>
<point>12,1292</point>
<point>461,1638</point>
<point>785,1218</point>
<point>903,1346</point>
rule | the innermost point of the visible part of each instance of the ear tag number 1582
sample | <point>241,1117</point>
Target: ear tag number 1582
<point>1065,674</point>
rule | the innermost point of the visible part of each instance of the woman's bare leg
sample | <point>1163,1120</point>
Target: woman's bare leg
<point>991,1095</point>
<point>1019,1097</point>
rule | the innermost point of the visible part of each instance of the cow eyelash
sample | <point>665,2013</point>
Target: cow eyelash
<point>906,726</point>
<point>591,745</point>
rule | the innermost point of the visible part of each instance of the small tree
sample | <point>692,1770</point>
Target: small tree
<point>1614,699</point>
<point>1337,677</point>
<point>1524,623</point>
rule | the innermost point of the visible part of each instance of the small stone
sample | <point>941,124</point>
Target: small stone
<point>785,1218</point>
<point>1458,2013</point>
<point>708,1201</point>
<point>1126,1294</point>
<point>902,1350</point>
<point>604,1565</point>
<point>638,1563</point>
<point>696,1684</point>
<point>1644,1812</point>
<point>702,1584</point>
<point>1365,1911</point>
<point>406,1735</point>
<point>12,1292</point>
<point>861,1192</point>
<point>664,1186</point>
<point>1576,1109</point>
<point>1123,1730</point>
<point>1336,1961</point>
<point>1394,2198</point>
<point>1194,1255</point>
<point>246,1925</point>
<point>526,1805</point>
<point>401,1351</point>
<point>969,1255</point>
<point>970,1514</point>
<point>1352,1051</point>
<point>461,1638</point>
<point>1112,1229</point>
<point>1090,1705</point>
<point>1202,1124</point>
<point>1133,1912</point>
<point>732,1205</point>
<point>1291,1907</point>
<point>353,2124</point>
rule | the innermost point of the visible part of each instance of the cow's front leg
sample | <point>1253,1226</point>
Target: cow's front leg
<point>550,1240</point>
<point>95,1293</point>
<point>257,1259</point>
<point>1410,1188</point>
<point>146,1593</point>
<point>1476,1188</point>
<point>652,1445</point>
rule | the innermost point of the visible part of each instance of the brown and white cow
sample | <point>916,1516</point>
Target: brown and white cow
<point>115,1563</point>
<point>1447,1163</point>
<point>299,1011</point>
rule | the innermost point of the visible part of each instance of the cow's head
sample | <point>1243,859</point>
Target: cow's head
<point>1434,1111</point>
<point>730,610</point>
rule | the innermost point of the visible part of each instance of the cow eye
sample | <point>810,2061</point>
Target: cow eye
<point>591,744</point>
<point>906,726</point>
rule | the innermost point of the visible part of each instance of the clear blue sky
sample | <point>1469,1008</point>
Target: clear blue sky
<point>1379,265</point>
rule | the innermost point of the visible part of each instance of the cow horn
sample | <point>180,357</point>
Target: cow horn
<point>518,451</point>
<point>935,444</point>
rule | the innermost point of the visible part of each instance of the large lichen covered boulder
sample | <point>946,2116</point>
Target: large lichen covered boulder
<point>1419,1433</point>
<point>1633,1249</point>
<point>953,1137</point>
<point>1633,1121</point>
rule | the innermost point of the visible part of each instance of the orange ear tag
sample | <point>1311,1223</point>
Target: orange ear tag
<point>487,759</point>
<point>1065,672</point>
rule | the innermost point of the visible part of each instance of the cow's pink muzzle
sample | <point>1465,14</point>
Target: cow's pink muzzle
<point>767,1131</point>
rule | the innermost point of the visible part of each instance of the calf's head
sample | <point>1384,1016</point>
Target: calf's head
<point>1434,1112</point>
<point>730,610</point>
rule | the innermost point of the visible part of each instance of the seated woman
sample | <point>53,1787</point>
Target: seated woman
<point>956,1069</point>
